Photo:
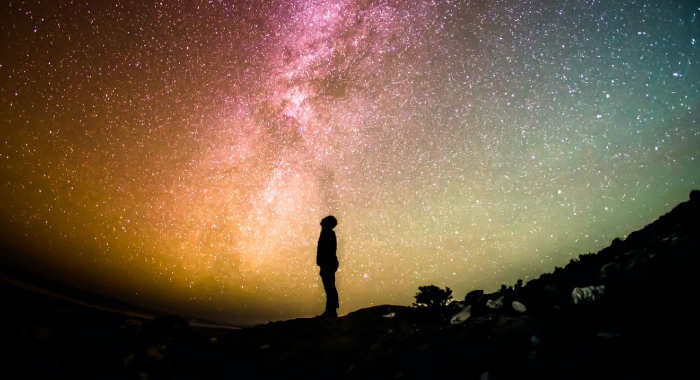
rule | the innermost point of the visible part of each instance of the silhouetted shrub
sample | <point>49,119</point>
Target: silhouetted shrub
<point>432,296</point>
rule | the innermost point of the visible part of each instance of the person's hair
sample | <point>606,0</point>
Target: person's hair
<point>330,221</point>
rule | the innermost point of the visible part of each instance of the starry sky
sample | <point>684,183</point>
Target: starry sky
<point>180,155</point>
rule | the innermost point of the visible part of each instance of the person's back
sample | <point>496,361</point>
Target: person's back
<point>327,247</point>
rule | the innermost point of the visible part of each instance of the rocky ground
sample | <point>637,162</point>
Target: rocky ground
<point>628,311</point>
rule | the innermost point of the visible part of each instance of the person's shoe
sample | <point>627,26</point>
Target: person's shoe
<point>331,314</point>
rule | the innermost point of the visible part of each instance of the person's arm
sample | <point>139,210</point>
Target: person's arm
<point>334,245</point>
<point>333,251</point>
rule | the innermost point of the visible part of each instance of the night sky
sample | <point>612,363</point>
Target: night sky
<point>180,155</point>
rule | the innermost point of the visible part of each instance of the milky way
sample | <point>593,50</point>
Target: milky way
<point>180,155</point>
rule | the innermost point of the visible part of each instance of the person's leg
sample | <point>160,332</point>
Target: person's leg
<point>332,292</point>
<point>328,279</point>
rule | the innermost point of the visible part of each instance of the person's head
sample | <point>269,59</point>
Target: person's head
<point>329,222</point>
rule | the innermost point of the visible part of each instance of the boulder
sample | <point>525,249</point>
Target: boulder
<point>589,293</point>
<point>132,327</point>
<point>519,307</point>
<point>473,297</point>
<point>695,195</point>
<point>462,316</point>
<point>609,268</point>
<point>495,304</point>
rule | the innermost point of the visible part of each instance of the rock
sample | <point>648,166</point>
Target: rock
<point>534,340</point>
<point>588,293</point>
<point>609,269</point>
<point>517,306</point>
<point>132,327</point>
<point>473,297</point>
<point>695,195</point>
<point>462,316</point>
<point>495,304</point>
<point>157,351</point>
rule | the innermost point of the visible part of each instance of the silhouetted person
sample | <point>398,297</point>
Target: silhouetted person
<point>328,261</point>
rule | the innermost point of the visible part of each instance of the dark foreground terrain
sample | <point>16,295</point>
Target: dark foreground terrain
<point>627,312</point>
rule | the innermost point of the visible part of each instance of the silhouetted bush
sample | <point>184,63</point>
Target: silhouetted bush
<point>432,296</point>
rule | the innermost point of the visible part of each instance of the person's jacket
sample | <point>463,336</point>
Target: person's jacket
<point>326,251</point>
